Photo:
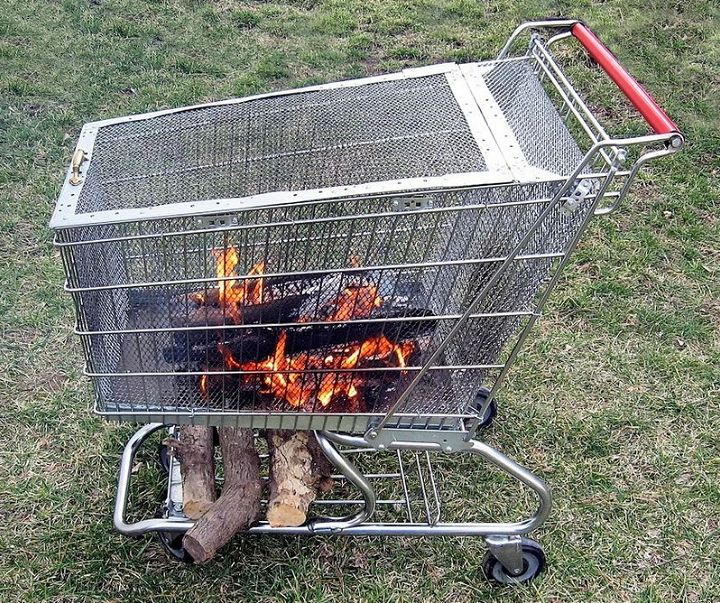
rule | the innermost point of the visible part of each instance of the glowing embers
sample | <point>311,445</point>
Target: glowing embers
<point>308,379</point>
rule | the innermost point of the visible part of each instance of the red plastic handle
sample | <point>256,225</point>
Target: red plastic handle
<point>636,94</point>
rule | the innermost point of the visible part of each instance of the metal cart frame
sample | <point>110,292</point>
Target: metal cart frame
<point>512,558</point>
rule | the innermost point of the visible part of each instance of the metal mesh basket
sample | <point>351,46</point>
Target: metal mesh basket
<point>424,185</point>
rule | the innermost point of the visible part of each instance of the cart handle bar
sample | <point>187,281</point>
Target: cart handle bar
<point>656,118</point>
<point>641,99</point>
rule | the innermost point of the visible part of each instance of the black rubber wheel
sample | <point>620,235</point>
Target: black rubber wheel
<point>172,543</point>
<point>490,412</point>
<point>164,458</point>
<point>533,563</point>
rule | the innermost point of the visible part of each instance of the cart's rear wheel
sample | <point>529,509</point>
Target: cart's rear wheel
<point>490,412</point>
<point>533,563</point>
<point>164,458</point>
<point>172,543</point>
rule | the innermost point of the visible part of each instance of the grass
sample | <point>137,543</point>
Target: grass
<point>615,401</point>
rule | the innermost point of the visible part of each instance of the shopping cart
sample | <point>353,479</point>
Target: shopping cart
<point>454,193</point>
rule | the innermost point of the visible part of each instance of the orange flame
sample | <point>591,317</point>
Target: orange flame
<point>231,293</point>
<point>287,380</point>
<point>354,302</point>
<point>257,286</point>
<point>226,262</point>
<point>204,385</point>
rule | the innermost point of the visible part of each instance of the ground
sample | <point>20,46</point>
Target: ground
<point>614,403</point>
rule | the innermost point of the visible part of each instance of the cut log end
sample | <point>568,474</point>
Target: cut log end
<point>298,470</point>
<point>194,509</point>
<point>285,515</point>
<point>195,549</point>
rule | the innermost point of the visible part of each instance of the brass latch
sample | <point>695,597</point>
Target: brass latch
<point>77,160</point>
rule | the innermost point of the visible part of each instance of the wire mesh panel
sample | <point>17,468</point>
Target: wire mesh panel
<point>332,137</point>
<point>312,282</point>
<point>319,311</point>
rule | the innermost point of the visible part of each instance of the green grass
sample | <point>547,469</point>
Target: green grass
<point>615,401</point>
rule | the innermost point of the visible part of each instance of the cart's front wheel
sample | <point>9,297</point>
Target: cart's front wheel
<point>172,543</point>
<point>533,558</point>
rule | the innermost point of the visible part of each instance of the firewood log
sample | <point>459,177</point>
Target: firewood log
<point>252,345</point>
<point>195,451</point>
<point>258,343</point>
<point>298,469</point>
<point>277,287</point>
<point>238,506</point>
<point>284,309</point>
<point>302,338</point>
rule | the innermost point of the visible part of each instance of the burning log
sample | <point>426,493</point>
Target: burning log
<point>298,470</point>
<point>234,389</point>
<point>238,506</point>
<point>253,345</point>
<point>258,343</point>
<point>313,337</point>
<point>284,309</point>
<point>274,286</point>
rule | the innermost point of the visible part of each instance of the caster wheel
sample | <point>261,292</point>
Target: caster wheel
<point>164,458</point>
<point>490,412</point>
<point>172,543</point>
<point>533,563</point>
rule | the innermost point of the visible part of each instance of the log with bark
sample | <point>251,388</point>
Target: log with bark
<point>196,452</point>
<point>238,506</point>
<point>298,470</point>
<point>284,309</point>
<point>276,287</point>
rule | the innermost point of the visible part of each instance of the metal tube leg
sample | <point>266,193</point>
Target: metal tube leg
<point>508,548</point>
<point>354,477</point>
<point>123,487</point>
<point>524,476</point>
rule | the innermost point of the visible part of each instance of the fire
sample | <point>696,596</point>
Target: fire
<point>253,290</point>
<point>286,380</point>
<point>279,378</point>
<point>204,385</point>
<point>402,352</point>
<point>356,301</point>
<point>233,293</point>
<point>225,264</point>
<point>304,379</point>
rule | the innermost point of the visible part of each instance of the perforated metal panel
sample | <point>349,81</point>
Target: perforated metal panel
<point>417,129</point>
<point>383,131</point>
<point>532,117</point>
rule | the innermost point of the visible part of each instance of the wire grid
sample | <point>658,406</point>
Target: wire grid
<point>405,485</point>
<point>535,120</point>
<point>434,259</point>
<point>129,278</point>
<point>402,128</point>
